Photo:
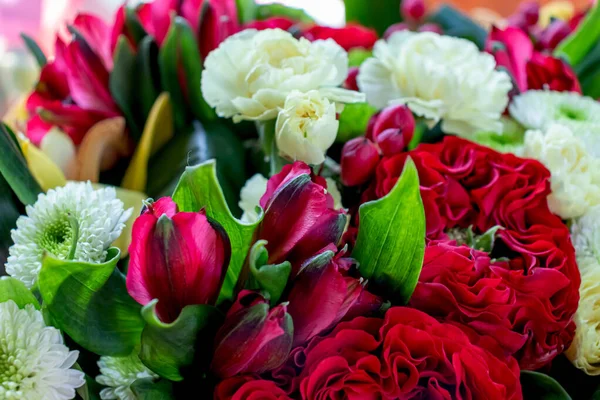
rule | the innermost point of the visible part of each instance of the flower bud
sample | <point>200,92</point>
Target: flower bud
<point>179,258</point>
<point>431,27</point>
<point>306,127</point>
<point>412,10</point>
<point>393,129</point>
<point>399,27</point>
<point>530,10</point>
<point>360,157</point>
<point>254,339</point>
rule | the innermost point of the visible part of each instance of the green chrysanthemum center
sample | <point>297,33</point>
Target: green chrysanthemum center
<point>570,113</point>
<point>12,371</point>
<point>57,237</point>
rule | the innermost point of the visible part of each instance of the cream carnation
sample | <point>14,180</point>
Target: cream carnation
<point>585,235</point>
<point>249,76</point>
<point>34,362</point>
<point>71,222</point>
<point>250,196</point>
<point>575,173</point>
<point>437,77</point>
<point>306,127</point>
<point>119,373</point>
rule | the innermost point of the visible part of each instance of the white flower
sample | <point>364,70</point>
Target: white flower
<point>306,127</point>
<point>75,213</point>
<point>250,196</point>
<point>250,74</point>
<point>585,235</point>
<point>119,373</point>
<point>34,362</point>
<point>575,173</point>
<point>437,77</point>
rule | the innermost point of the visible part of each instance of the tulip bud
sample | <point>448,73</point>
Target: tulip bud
<point>393,129</point>
<point>179,258</point>
<point>323,294</point>
<point>412,10</point>
<point>555,33</point>
<point>360,157</point>
<point>530,10</point>
<point>350,82</point>
<point>216,21</point>
<point>254,339</point>
<point>431,27</point>
<point>300,218</point>
<point>399,27</point>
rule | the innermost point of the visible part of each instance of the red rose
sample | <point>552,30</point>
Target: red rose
<point>349,37</point>
<point>248,388</point>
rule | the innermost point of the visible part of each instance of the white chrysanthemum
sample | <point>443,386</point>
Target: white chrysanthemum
<point>34,362</point>
<point>575,178</point>
<point>250,196</point>
<point>306,127</point>
<point>75,212</point>
<point>119,373</point>
<point>250,74</point>
<point>437,77</point>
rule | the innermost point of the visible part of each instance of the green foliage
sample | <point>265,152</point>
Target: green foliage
<point>15,290</point>
<point>35,50</point>
<point>271,279</point>
<point>583,40</point>
<point>378,15</point>
<point>541,387</point>
<point>455,23</point>
<point>146,389</point>
<point>354,120</point>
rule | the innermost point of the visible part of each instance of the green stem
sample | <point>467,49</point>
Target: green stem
<point>74,237</point>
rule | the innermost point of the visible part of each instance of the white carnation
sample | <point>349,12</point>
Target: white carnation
<point>75,213</point>
<point>575,178</point>
<point>306,127</point>
<point>34,362</point>
<point>437,77</point>
<point>250,196</point>
<point>250,74</point>
<point>119,373</point>
<point>585,235</point>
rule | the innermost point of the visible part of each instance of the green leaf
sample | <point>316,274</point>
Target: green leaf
<point>199,188</point>
<point>35,50</point>
<point>483,242</point>
<point>9,213</point>
<point>147,75</point>
<point>455,23</point>
<point>13,167</point>
<point>378,15</point>
<point>579,43</point>
<point>541,387</point>
<point>174,350</point>
<point>91,389</point>
<point>15,290</point>
<point>266,277</point>
<point>247,10</point>
<point>354,120</point>
<point>196,145</point>
<point>122,84</point>
<point>357,56</point>
<point>134,27</point>
<point>146,389</point>
<point>90,303</point>
<point>279,10</point>
<point>391,238</point>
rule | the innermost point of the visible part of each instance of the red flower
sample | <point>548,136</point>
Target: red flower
<point>248,388</point>
<point>253,338</point>
<point>299,216</point>
<point>271,23</point>
<point>535,293</point>
<point>360,157</point>
<point>392,129</point>
<point>179,258</point>
<point>549,73</point>
<point>413,10</point>
<point>349,37</point>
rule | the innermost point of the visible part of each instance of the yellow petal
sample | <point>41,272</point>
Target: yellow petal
<point>59,147</point>
<point>43,169</point>
<point>131,199</point>
<point>157,132</point>
<point>556,9</point>
<point>16,116</point>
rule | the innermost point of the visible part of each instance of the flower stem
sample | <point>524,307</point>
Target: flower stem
<point>74,237</point>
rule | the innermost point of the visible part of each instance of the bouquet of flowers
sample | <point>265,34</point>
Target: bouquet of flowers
<point>219,199</point>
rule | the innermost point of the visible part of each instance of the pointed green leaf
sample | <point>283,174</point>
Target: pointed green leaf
<point>9,213</point>
<point>135,29</point>
<point>246,10</point>
<point>279,10</point>
<point>90,303</point>
<point>35,50</point>
<point>578,44</point>
<point>266,277</point>
<point>91,389</point>
<point>146,389</point>
<point>15,290</point>
<point>199,188</point>
<point>455,23</point>
<point>541,387</point>
<point>182,347</point>
<point>148,75</point>
<point>13,167</point>
<point>391,238</point>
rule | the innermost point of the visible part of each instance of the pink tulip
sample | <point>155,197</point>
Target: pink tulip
<point>360,158</point>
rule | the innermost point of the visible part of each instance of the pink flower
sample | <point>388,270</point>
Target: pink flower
<point>360,158</point>
<point>179,258</point>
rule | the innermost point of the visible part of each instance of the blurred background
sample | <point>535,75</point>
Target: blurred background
<point>40,19</point>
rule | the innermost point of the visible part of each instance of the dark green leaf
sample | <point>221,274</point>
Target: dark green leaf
<point>122,84</point>
<point>15,290</point>
<point>174,350</point>
<point>146,389</point>
<point>247,10</point>
<point>90,390</point>
<point>133,25</point>
<point>15,170</point>
<point>378,15</point>
<point>35,50</point>
<point>391,238</point>
<point>269,278</point>
<point>579,43</point>
<point>455,23</point>
<point>90,303</point>
<point>147,75</point>
<point>354,120</point>
<point>9,212</point>
<point>279,10</point>
<point>541,387</point>
<point>199,188</point>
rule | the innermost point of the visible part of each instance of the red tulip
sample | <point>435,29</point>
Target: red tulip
<point>323,294</point>
<point>253,339</point>
<point>412,10</point>
<point>393,129</point>
<point>179,258</point>
<point>360,157</point>
<point>300,219</point>
<point>351,36</point>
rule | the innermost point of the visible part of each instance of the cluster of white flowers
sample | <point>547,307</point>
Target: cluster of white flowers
<point>269,74</point>
<point>119,373</point>
<point>438,77</point>
<point>74,221</point>
<point>34,362</point>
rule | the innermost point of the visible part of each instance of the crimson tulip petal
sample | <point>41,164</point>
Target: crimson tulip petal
<point>97,34</point>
